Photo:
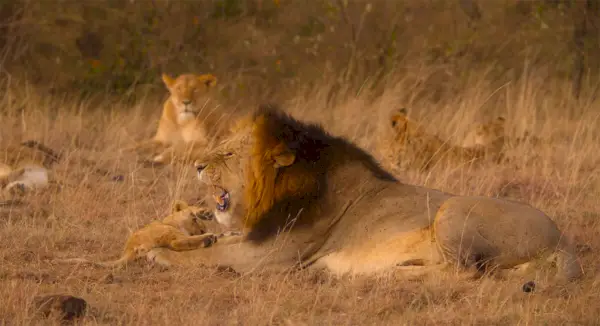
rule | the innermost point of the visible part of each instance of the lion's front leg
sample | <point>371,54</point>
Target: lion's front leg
<point>242,256</point>
<point>193,242</point>
<point>230,237</point>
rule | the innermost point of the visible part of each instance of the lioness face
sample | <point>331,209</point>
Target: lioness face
<point>222,170</point>
<point>189,93</point>
<point>190,218</point>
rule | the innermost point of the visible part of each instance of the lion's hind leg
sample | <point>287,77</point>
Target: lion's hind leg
<point>494,235</point>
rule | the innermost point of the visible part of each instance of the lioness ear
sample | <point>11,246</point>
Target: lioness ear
<point>282,156</point>
<point>169,82</point>
<point>208,79</point>
<point>178,206</point>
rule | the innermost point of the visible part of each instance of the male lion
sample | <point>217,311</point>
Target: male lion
<point>411,146</point>
<point>183,229</point>
<point>306,198</point>
<point>187,120</point>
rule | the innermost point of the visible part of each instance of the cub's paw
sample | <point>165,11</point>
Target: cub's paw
<point>209,241</point>
<point>231,234</point>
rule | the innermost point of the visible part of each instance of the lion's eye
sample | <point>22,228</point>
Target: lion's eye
<point>228,154</point>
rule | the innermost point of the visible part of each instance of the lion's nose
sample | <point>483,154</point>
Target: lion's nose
<point>200,167</point>
<point>186,102</point>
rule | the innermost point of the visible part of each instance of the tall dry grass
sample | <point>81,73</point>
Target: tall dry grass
<point>91,215</point>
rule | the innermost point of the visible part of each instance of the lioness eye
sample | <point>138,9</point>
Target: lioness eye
<point>228,154</point>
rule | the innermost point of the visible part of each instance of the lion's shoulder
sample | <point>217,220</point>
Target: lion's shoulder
<point>290,162</point>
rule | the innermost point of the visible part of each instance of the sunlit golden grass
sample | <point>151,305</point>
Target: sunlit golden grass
<point>89,214</point>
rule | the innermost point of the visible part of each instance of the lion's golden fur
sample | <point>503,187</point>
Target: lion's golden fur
<point>25,166</point>
<point>408,145</point>
<point>189,118</point>
<point>337,209</point>
<point>493,135</point>
<point>275,192</point>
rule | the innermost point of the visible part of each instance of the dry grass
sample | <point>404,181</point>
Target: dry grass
<point>91,215</point>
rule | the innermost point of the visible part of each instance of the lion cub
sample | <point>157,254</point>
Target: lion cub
<point>183,229</point>
<point>25,167</point>
<point>187,120</point>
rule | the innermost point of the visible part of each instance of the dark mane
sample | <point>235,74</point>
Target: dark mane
<point>310,141</point>
<point>301,185</point>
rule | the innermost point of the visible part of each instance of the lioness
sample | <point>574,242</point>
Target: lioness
<point>187,120</point>
<point>306,198</point>
<point>410,146</point>
<point>493,134</point>
<point>183,229</point>
<point>25,167</point>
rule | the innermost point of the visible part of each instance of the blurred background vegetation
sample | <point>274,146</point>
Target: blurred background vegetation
<point>269,48</point>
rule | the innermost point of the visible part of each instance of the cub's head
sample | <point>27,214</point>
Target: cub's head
<point>223,169</point>
<point>403,128</point>
<point>188,218</point>
<point>487,134</point>
<point>407,144</point>
<point>189,93</point>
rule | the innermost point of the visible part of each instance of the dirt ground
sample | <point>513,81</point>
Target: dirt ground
<point>87,214</point>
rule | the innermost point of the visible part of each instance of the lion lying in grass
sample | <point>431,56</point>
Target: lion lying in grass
<point>183,229</point>
<point>412,147</point>
<point>25,167</point>
<point>187,121</point>
<point>304,198</point>
<point>493,135</point>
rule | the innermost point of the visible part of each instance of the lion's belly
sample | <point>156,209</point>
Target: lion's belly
<point>377,255</point>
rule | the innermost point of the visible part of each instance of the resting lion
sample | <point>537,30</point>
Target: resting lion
<point>187,119</point>
<point>493,135</point>
<point>304,198</point>
<point>183,229</point>
<point>25,167</point>
<point>411,147</point>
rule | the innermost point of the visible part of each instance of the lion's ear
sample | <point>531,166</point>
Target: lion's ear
<point>178,206</point>
<point>168,80</point>
<point>208,79</point>
<point>282,156</point>
<point>284,159</point>
<point>398,116</point>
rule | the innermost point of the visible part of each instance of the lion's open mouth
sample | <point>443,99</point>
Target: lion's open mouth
<point>222,198</point>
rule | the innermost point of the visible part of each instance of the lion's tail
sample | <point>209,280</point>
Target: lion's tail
<point>113,263</point>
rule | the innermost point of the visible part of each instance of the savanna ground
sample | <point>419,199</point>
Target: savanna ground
<point>91,215</point>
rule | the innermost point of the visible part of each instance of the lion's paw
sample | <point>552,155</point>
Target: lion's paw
<point>231,234</point>
<point>209,241</point>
